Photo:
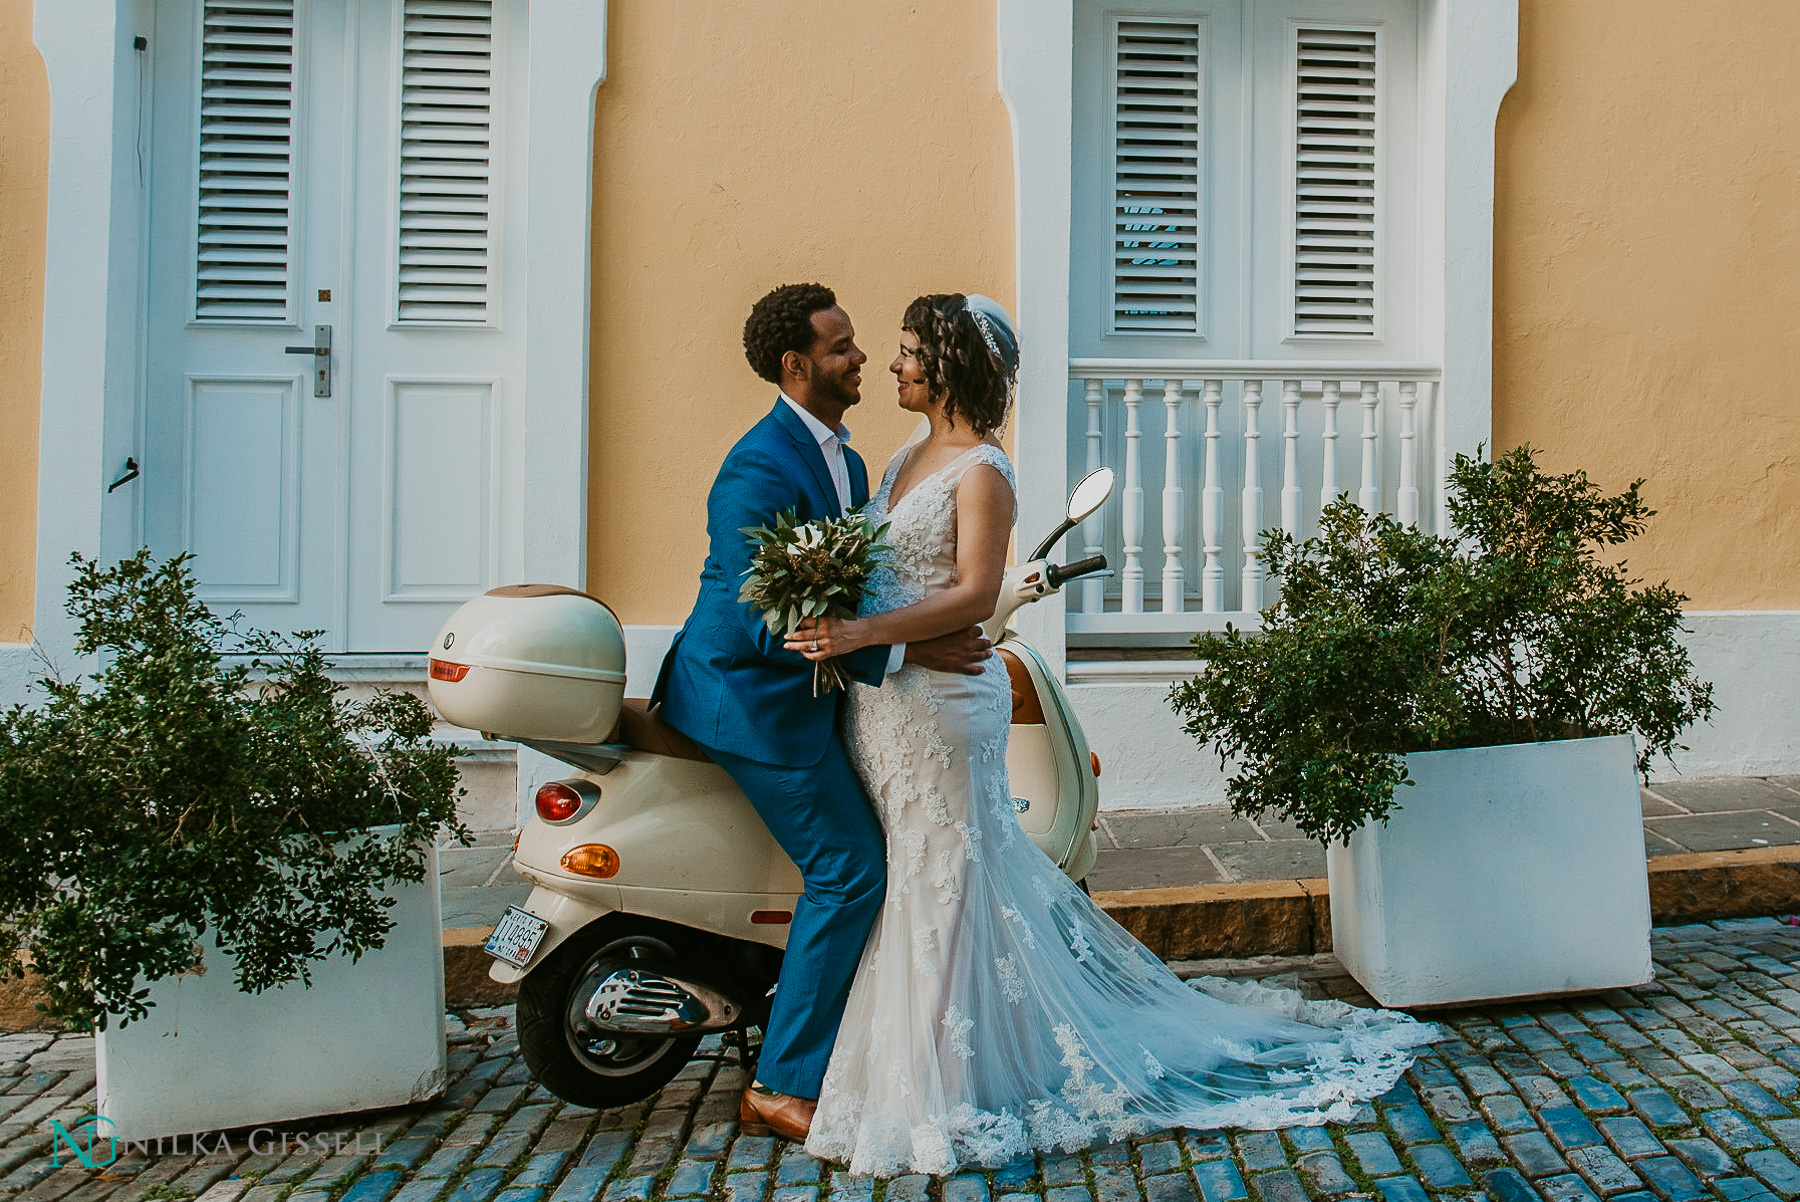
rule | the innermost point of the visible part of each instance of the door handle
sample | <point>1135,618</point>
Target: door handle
<point>320,350</point>
<point>131,473</point>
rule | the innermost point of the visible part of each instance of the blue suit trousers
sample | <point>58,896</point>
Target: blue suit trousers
<point>822,819</point>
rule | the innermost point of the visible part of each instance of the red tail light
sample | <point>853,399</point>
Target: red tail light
<point>557,802</point>
<point>444,670</point>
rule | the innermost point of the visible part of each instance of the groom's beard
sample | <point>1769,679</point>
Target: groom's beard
<point>835,390</point>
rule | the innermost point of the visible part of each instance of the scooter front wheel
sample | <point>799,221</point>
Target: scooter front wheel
<point>597,1069</point>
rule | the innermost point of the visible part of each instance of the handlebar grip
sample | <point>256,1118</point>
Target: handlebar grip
<point>1081,567</point>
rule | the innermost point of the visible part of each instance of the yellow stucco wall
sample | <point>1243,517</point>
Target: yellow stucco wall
<point>742,144</point>
<point>1647,290</point>
<point>24,181</point>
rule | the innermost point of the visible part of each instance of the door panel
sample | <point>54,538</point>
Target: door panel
<point>243,503</point>
<point>437,503</point>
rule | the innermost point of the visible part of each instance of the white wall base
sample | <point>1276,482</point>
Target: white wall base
<point>208,1057</point>
<point>1753,659</point>
<point>1751,656</point>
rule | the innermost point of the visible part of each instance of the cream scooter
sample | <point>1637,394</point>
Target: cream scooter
<point>660,901</point>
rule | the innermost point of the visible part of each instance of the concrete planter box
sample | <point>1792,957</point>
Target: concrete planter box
<point>365,1035</point>
<point>1509,871</point>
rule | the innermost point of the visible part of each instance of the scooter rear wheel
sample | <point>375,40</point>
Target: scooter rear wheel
<point>604,1071</point>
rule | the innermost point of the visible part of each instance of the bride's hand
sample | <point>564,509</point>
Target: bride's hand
<point>822,638</point>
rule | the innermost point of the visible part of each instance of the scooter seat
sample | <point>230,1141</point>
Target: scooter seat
<point>1027,709</point>
<point>641,727</point>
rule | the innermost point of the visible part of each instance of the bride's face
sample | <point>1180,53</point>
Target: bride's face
<point>915,394</point>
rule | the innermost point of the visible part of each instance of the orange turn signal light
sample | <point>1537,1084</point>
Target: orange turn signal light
<point>1094,759</point>
<point>591,859</point>
<point>771,918</point>
<point>445,670</point>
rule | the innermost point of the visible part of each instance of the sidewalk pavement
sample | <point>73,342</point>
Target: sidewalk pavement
<point>1683,1089</point>
<point>1202,882</point>
<point>1155,849</point>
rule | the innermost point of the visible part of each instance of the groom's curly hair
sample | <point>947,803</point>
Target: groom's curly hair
<point>781,322</point>
<point>969,382</point>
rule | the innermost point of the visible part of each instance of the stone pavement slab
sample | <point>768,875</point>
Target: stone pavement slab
<point>1683,1089</point>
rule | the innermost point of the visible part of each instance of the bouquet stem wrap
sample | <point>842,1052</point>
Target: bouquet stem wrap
<point>817,569</point>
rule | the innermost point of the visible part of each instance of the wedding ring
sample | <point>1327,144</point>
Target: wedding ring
<point>815,644</point>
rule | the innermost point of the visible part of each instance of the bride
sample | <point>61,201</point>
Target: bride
<point>996,1010</point>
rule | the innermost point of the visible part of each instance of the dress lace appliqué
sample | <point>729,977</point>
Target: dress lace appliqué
<point>998,1011</point>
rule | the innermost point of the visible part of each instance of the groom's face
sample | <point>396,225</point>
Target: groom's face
<point>834,362</point>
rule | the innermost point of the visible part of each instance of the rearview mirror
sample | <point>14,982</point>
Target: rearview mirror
<point>1090,493</point>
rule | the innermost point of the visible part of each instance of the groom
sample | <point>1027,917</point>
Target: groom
<point>729,684</point>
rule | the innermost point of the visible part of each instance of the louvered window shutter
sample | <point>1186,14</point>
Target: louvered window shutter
<point>446,161</point>
<point>246,160</point>
<point>1334,189</point>
<point>1156,178</point>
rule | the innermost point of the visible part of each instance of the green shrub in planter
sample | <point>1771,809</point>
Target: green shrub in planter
<point>175,792</point>
<point>1388,640</point>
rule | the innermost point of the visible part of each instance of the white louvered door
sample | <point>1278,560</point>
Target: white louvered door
<point>335,163</point>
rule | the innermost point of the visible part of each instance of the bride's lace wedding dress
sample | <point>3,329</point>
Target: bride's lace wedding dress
<point>997,1010</point>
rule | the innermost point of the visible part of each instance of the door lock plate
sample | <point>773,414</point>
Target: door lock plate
<point>320,350</point>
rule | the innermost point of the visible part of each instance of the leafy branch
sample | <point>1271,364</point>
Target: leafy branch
<point>1388,640</point>
<point>173,793</point>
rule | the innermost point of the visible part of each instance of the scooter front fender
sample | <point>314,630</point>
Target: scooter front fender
<point>566,915</point>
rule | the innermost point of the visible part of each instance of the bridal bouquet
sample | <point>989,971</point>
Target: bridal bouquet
<point>817,569</point>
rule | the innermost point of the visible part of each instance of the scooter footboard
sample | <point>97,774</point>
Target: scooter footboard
<point>566,915</point>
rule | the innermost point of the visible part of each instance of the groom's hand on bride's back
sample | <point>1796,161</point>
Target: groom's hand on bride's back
<point>960,651</point>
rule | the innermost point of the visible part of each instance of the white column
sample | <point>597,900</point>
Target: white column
<point>1131,577</point>
<point>1093,589</point>
<point>1251,507</point>
<point>1290,464</point>
<point>1328,478</point>
<point>1370,498</point>
<point>1408,504</point>
<point>1173,581</point>
<point>1212,510</point>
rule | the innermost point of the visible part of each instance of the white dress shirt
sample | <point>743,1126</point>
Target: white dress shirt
<point>831,445</point>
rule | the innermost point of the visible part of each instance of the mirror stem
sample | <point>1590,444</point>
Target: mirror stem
<point>1044,547</point>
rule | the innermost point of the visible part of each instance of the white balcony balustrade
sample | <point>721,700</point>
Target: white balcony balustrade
<point>1213,417</point>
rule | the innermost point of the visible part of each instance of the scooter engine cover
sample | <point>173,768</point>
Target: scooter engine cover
<point>633,1001</point>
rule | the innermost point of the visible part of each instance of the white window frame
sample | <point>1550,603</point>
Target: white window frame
<point>1458,108</point>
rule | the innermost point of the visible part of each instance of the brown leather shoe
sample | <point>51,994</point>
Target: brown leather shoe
<point>764,1112</point>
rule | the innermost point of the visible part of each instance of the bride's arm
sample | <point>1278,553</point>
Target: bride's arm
<point>984,518</point>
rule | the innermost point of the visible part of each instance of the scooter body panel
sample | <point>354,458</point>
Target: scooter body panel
<point>693,851</point>
<point>1050,769</point>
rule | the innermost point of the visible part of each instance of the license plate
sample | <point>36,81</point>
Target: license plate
<point>516,938</point>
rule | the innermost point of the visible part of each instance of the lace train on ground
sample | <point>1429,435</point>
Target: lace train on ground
<point>996,1010</point>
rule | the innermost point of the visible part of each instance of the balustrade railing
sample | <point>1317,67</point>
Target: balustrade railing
<point>1212,424</point>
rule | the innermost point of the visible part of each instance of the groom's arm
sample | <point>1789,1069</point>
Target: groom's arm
<point>751,489</point>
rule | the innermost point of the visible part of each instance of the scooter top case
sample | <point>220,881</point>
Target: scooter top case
<point>531,662</point>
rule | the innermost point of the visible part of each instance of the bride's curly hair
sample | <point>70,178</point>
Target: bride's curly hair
<point>971,381</point>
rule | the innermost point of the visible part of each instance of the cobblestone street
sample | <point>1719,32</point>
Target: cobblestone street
<point>1683,1089</point>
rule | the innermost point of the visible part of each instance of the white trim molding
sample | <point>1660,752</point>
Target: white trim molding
<point>1468,60</point>
<point>94,299</point>
<point>1752,658</point>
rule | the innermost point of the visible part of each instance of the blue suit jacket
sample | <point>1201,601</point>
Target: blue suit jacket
<point>727,682</point>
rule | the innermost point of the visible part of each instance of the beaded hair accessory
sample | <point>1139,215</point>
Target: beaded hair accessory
<point>996,331</point>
